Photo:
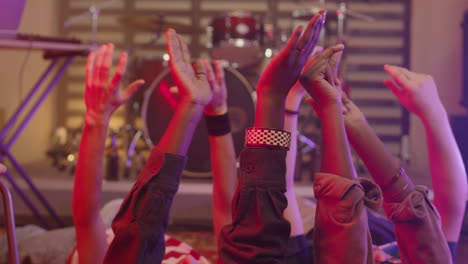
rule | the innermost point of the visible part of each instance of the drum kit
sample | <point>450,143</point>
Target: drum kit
<point>240,38</point>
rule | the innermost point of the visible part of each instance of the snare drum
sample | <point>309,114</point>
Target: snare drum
<point>237,37</point>
<point>158,108</point>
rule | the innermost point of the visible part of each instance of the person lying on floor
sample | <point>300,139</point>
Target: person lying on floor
<point>259,232</point>
<point>422,234</point>
<point>223,164</point>
<point>138,230</point>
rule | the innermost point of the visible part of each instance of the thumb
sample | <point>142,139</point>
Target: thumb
<point>335,61</point>
<point>132,88</point>
<point>396,90</point>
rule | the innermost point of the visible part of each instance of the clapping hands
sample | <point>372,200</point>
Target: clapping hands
<point>320,78</point>
<point>282,72</point>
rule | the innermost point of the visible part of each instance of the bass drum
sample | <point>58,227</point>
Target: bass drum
<point>158,109</point>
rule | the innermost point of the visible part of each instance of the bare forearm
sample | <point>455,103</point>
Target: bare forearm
<point>223,165</point>
<point>269,112</point>
<point>87,186</point>
<point>447,172</point>
<point>336,155</point>
<point>292,213</point>
<point>382,165</point>
<point>178,135</point>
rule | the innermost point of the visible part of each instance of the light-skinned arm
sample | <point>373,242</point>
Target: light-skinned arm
<point>382,165</point>
<point>102,98</point>
<point>418,93</point>
<point>259,232</point>
<point>292,212</point>
<point>222,152</point>
<point>320,81</point>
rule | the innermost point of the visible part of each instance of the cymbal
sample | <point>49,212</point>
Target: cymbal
<point>332,9</point>
<point>156,24</point>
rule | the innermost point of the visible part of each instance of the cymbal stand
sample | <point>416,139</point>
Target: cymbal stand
<point>93,11</point>
<point>341,14</point>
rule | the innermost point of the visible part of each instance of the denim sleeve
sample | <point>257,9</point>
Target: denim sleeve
<point>259,233</point>
<point>418,229</point>
<point>341,233</point>
<point>142,220</point>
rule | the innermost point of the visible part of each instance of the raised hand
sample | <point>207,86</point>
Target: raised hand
<point>218,104</point>
<point>190,80</point>
<point>297,92</point>
<point>282,72</point>
<point>320,80</point>
<point>415,91</point>
<point>103,96</point>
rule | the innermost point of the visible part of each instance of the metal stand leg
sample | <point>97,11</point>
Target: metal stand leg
<point>5,145</point>
<point>10,224</point>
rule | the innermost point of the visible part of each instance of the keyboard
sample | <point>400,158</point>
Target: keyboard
<point>35,37</point>
<point>52,46</point>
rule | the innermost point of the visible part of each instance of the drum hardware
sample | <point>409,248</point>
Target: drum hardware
<point>64,149</point>
<point>338,12</point>
<point>237,37</point>
<point>157,24</point>
<point>93,11</point>
<point>112,158</point>
<point>133,156</point>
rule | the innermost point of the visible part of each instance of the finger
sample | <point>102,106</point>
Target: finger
<point>210,75</point>
<point>3,169</point>
<point>106,63</point>
<point>402,69</point>
<point>199,70</point>
<point>131,89</point>
<point>393,86</point>
<point>219,70</point>
<point>310,31</point>
<point>185,51</point>
<point>345,98</point>
<point>173,46</point>
<point>316,32</point>
<point>397,75</point>
<point>292,42</point>
<point>327,53</point>
<point>317,50</point>
<point>330,76</point>
<point>119,72</point>
<point>335,61</point>
<point>89,69</point>
<point>99,60</point>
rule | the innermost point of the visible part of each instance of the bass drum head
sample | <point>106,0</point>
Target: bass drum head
<point>157,111</point>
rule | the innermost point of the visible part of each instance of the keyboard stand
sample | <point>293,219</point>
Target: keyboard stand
<point>14,127</point>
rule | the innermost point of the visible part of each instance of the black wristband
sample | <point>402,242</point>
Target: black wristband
<point>218,125</point>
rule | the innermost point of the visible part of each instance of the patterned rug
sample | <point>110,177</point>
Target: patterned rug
<point>203,242</point>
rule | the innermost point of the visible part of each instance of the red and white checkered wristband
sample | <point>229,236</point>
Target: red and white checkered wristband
<point>267,137</point>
